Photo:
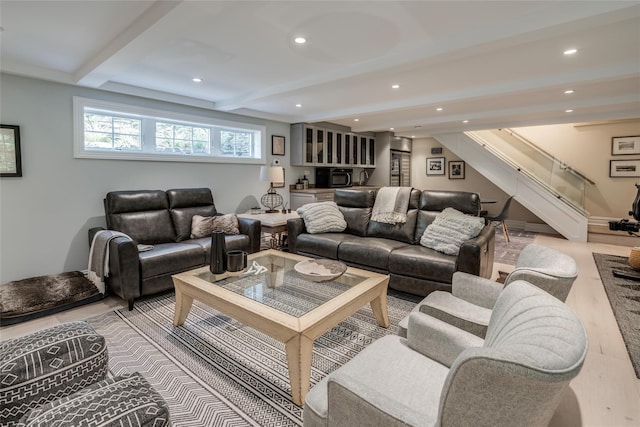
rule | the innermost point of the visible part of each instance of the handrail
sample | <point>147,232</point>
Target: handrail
<point>478,139</point>
<point>549,155</point>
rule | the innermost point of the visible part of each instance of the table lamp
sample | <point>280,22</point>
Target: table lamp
<point>271,174</point>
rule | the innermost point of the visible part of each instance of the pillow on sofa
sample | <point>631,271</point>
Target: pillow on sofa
<point>450,229</point>
<point>322,217</point>
<point>203,226</point>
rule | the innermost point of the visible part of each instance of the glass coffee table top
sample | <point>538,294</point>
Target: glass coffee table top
<point>281,287</point>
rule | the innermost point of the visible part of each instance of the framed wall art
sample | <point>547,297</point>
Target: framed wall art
<point>10,157</point>
<point>621,145</point>
<point>435,165</point>
<point>277,145</point>
<point>624,168</point>
<point>456,169</point>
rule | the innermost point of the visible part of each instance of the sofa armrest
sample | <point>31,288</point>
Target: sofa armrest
<point>476,255</point>
<point>438,340</point>
<point>252,228</point>
<point>351,402</point>
<point>295,227</point>
<point>476,290</point>
<point>124,268</point>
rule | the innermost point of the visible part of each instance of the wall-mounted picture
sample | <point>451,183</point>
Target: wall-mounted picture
<point>435,165</point>
<point>621,145</point>
<point>456,169</point>
<point>10,158</point>
<point>624,168</point>
<point>277,145</point>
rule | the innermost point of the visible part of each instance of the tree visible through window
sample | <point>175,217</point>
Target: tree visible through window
<point>182,139</point>
<point>112,132</point>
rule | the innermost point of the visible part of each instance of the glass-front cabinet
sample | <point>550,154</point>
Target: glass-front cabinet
<point>318,146</point>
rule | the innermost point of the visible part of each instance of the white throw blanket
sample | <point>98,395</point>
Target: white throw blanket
<point>391,205</point>
<point>99,257</point>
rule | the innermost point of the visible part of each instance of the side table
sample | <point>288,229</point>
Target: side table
<point>274,224</point>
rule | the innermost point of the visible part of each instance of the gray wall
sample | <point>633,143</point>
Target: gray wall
<point>45,215</point>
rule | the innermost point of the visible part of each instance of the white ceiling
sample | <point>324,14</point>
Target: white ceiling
<point>493,63</point>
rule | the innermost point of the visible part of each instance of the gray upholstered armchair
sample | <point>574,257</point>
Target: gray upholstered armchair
<point>468,306</point>
<point>443,376</point>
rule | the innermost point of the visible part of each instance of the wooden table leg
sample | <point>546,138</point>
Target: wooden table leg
<point>379,308</point>
<point>299,352</point>
<point>183,306</point>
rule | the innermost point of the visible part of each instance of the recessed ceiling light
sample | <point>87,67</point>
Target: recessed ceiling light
<point>465,121</point>
<point>300,40</point>
<point>299,105</point>
<point>570,51</point>
<point>413,136</point>
<point>356,120</point>
<point>196,80</point>
<point>439,109</point>
<point>569,91</point>
<point>568,111</point>
<point>396,86</point>
<point>392,128</point>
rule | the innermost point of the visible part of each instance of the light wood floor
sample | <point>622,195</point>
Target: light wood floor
<point>606,393</point>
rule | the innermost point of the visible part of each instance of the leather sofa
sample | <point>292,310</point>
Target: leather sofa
<point>396,249</point>
<point>163,220</point>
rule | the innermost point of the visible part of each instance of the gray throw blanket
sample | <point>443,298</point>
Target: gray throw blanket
<point>99,257</point>
<point>391,205</point>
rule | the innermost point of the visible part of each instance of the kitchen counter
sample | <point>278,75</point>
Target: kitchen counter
<point>312,195</point>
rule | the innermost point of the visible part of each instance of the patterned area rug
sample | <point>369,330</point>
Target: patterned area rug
<point>624,296</point>
<point>507,253</point>
<point>215,371</point>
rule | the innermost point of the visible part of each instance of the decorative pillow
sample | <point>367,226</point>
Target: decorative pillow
<point>203,226</point>
<point>322,217</point>
<point>449,230</point>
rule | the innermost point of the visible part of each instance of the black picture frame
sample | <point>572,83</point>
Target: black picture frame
<point>10,155</point>
<point>277,145</point>
<point>435,165</point>
<point>456,169</point>
<point>625,145</point>
<point>624,168</point>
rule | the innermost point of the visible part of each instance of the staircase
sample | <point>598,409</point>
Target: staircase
<point>554,192</point>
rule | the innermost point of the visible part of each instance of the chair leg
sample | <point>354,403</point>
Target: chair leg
<point>505,231</point>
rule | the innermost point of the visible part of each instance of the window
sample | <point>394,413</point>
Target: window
<point>115,131</point>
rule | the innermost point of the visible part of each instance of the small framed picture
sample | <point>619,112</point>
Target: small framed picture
<point>621,145</point>
<point>435,165</point>
<point>277,145</point>
<point>456,169</point>
<point>624,168</point>
<point>10,157</point>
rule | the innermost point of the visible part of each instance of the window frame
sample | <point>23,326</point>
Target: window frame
<point>80,104</point>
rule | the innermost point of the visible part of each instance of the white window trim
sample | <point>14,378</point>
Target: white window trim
<point>79,151</point>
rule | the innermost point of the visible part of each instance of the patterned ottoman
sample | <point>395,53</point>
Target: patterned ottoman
<point>48,365</point>
<point>127,400</point>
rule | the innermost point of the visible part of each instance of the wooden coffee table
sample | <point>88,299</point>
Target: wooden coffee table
<point>284,305</point>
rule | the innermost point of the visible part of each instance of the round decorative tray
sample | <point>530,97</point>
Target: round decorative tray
<point>320,270</point>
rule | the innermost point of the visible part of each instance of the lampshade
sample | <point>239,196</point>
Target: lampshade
<point>271,174</point>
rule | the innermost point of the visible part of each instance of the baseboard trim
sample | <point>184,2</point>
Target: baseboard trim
<point>530,226</point>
